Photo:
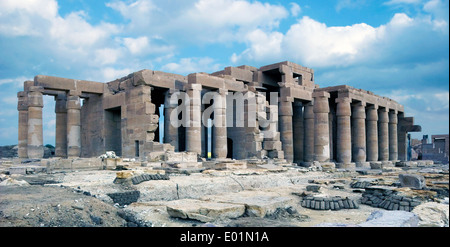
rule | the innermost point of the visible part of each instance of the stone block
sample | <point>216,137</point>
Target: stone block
<point>92,164</point>
<point>109,163</point>
<point>391,219</point>
<point>313,188</point>
<point>231,165</point>
<point>124,174</point>
<point>432,214</point>
<point>272,145</point>
<point>412,180</point>
<point>204,211</point>
<point>376,165</point>
<point>276,154</point>
<point>328,166</point>
<point>22,170</point>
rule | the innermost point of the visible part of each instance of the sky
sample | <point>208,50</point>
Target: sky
<point>394,48</point>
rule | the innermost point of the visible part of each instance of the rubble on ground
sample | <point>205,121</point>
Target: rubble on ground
<point>179,190</point>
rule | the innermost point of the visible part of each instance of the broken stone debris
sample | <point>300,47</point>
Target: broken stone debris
<point>388,198</point>
<point>412,180</point>
<point>432,214</point>
<point>328,203</point>
<point>391,219</point>
<point>204,211</point>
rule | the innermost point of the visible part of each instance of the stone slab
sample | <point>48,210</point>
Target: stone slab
<point>230,165</point>
<point>204,211</point>
<point>257,203</point>
<point>391,219</point>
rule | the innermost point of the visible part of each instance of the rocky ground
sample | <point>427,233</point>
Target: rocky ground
<point>256,196</point>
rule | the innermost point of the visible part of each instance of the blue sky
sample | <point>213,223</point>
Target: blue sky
<point>394,48</point>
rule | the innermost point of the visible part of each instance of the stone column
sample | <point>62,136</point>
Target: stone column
<point>220,125</point>
<point>383,134</point>
<point>22,107</point>
<point>359,132</point>
<point>393,148</point>
<point>170,131</point>
<point>35,147</point>
<point>193,130</point>
<point>308,116</point>
<point>73,126</point>
<point>344,144</point>
<point>372,133</point>
<point>61,125</point>
<point>321,128</point>
<point>285,128</point>
<point>402,138</point>
<point>298,131</point>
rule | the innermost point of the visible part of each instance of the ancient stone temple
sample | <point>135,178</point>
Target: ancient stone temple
<point>284,115</point>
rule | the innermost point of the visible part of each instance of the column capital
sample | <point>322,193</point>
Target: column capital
<point>393,119</point>
<point>73,102</point>
<point>22,101</point>
<point>343,100</point>
<point>343,107</point>
<point>321,104</point>
<point>61,103</point>
<point>359,110</point>
<point>359,103</point>
<point>372,107</point>
<point>372,113</point>
<point>321,94</point>
<point>308,111</point>
<point>36,89</point>
<point>35,97</point>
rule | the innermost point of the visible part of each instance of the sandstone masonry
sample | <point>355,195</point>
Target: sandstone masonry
<point>350,126</point>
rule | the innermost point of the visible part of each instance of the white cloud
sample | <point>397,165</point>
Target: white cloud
<point>394,2</point>
<point>295,9</point>
<point>200,21</point>
<point>109,73</point>
<point>74,31</point>
<point>318,45</point>
<point>315,44</point>
<point>25,18</point>
<point>107,56</point>
<point>136,45</point>
<point>192,65</point>
<point>263,46</point>
<point>15,82</point>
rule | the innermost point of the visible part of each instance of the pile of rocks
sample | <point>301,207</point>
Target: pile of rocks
<point>146,177</point>
<point>363,183</point>
<point>328,203</point>
<point>388,198</point>
<point>125,198</point>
